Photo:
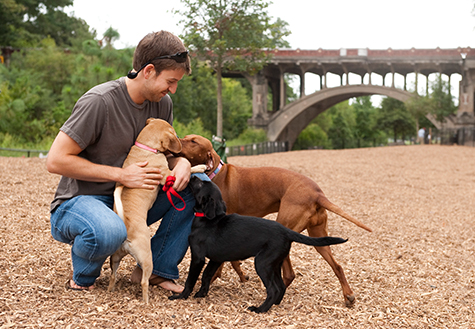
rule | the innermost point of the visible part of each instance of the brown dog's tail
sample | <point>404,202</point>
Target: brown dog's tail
<point>328,205</point>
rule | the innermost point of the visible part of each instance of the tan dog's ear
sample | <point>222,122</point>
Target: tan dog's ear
<point>175,145</point>
<point>148,121</point>
<point>170,143</point>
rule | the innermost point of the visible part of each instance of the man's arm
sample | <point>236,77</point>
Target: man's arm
<point>63,159</point>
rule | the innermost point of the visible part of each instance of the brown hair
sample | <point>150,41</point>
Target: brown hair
<point>157,44</point>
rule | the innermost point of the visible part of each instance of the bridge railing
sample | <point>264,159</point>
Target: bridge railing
<point>257,148</point>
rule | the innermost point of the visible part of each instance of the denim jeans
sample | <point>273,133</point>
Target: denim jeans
<point>95,231</point>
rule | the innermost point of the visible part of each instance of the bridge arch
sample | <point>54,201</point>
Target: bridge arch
<point>287,123</point>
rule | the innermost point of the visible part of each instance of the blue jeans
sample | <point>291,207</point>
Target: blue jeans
<point>95,231</point>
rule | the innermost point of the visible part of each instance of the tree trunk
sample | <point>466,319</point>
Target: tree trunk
<point>219,116</point>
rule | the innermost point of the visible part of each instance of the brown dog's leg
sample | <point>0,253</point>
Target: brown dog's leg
<point>218,273</point>
<point>347,292</point>
<point>319,231</point>
<point>237,267</point>
<point>288,274</point>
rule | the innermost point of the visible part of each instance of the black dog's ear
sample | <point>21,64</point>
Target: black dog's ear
<point>214,207</point>
<point>209,208</point>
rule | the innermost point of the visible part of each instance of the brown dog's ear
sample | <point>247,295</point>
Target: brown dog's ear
<point>209,161</point>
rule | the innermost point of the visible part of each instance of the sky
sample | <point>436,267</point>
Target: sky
<point>326,24</point>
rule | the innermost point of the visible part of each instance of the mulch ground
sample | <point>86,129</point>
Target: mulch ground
<point>416,270</point>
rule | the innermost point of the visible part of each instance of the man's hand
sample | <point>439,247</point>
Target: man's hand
<point>139,176</point>
<point>182,171</point>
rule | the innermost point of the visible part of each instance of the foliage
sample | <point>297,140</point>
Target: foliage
<point>443,100</point>
<point>419,107</point>
<point>365,121</point>
<point>193,127</point>
<point>24,23</point>
<point>214,31</point>
<point>312,136</point>
<point>394,118</point>
<point>249,136</point>
<point>196,98</point>
<point>41,86</point>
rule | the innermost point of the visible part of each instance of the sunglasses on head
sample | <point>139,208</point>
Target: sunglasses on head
<point>179,57</point>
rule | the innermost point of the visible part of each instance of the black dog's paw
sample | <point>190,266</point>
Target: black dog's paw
<point>178,296</point>
<point>200,294</point>
<point>254,309</point>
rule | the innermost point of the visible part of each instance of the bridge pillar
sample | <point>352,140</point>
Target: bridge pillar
<point>282,90</point>
<point>260,114</point>
<point>465,113</point>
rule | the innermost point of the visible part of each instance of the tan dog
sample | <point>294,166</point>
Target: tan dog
<point>300,203</point>
<point>132,205</point>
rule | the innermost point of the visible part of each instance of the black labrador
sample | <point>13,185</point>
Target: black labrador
<point>222,238</point>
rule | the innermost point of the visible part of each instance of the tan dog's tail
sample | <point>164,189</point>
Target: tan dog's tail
<point>327,204</point>
<point>118,208</point>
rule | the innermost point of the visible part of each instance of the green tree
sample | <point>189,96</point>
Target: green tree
<point>214,30</point>
<point>395,118</point>
<point>443,101</point>
<point>24,23</point>
<point>365,120</point>
<point>313,135</point>
<point>196,97</point>
<point>110,36</point>
<point>419,107</point>
<point>341,132</point>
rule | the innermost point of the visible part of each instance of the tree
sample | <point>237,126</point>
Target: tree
<point>365,119</point>
<point>231,35</point>
<point>394,117</point>
<point>341,132</point>
<point>419,107</point>
<point>443,100</point>
<point>23,23</point>
<point>110,36</point>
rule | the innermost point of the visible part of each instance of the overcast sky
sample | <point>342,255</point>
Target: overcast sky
<point>326,24</point>
<point>335,24</point>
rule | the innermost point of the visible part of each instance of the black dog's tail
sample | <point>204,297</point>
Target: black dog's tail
<point>318,242</point>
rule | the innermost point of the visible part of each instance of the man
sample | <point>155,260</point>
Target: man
<point>421,135</point>
<point>89,152</point>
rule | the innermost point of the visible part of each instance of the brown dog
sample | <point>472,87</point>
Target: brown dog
<point>132,205</point>
<point>300,203</point>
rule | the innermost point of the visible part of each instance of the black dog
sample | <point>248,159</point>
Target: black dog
<point>222,238</point>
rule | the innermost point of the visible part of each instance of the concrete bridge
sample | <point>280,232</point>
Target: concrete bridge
<point>284,122</point>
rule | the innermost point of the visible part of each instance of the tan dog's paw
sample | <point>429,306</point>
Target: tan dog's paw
<point>198,169</point>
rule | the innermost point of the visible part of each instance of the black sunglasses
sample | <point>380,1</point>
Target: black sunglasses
<point>179,57</point>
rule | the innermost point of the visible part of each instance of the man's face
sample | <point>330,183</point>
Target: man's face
<point>156,87</point>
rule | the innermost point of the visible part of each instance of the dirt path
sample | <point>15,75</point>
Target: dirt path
<point>414,271</point>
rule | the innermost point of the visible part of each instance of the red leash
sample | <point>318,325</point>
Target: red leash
<point>168,187</point>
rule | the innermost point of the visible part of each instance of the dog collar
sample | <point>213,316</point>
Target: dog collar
<point>215,172</point>
<point>145,147</point>
<point>199,214</point>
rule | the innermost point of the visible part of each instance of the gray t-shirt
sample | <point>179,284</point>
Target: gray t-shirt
<point>105,123</point>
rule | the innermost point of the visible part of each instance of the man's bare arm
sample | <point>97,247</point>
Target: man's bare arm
<point>63,159</point>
